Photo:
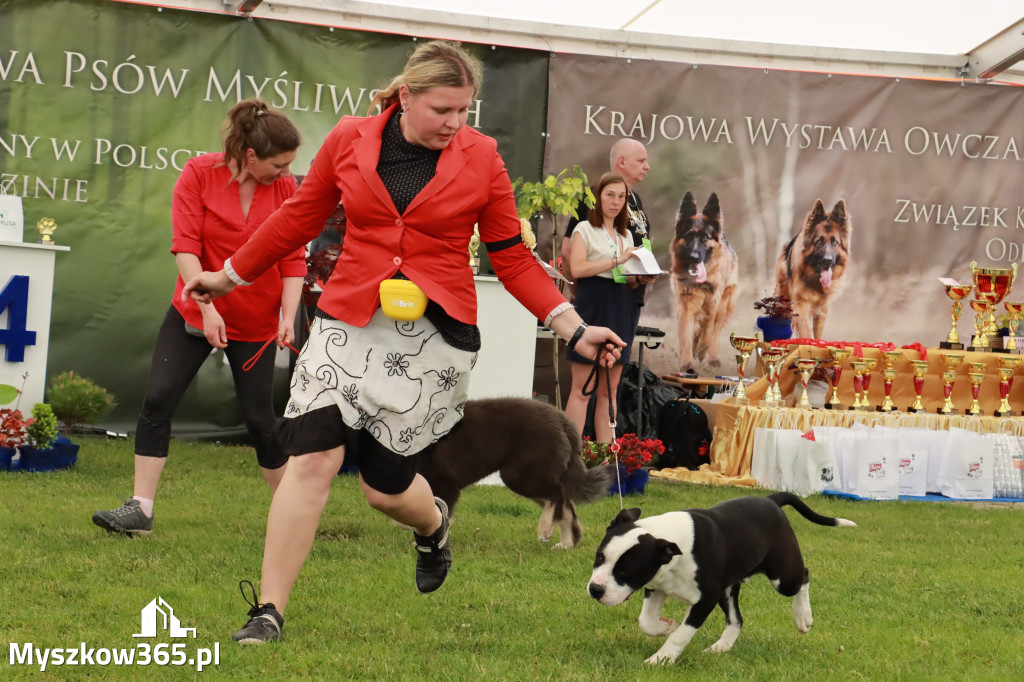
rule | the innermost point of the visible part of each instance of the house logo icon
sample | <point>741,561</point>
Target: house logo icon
<point>159,614</point>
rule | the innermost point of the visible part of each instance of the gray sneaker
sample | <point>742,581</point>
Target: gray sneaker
<point>264,624</point>
<point>128,519</point>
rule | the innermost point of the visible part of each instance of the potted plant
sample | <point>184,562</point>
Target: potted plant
<point>77,401</point>
<point>777,321</point>
<point>555,195</point>
<point>632,456</point>
<point>41,453</point>
<point>12,423</point>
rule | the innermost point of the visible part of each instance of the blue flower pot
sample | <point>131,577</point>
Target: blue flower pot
<point>6,455</point>
<point>62,454</point>
<point>633,482</point>
<point>775,328</point>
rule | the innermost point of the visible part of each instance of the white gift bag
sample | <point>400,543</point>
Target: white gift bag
<point>1007,466</point>
<point>12,219</point>
<point>876,470</point>
<point>966,468</point>
<point>935,453</point>
<point>912,466</point>
<point>816,466</point>
<point>762,459</point>
<point>790,472</point>
<point>834,435</point>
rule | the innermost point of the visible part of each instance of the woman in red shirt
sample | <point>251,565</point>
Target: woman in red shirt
<point>219,201</point>
<point>372,390</point>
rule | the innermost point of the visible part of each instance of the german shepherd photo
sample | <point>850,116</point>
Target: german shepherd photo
<point>534,447</point>
<point>811,266</point>
<point>704,277</point>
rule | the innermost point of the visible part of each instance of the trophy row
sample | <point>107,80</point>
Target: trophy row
<point>991,286</point>
<point>862,373</point>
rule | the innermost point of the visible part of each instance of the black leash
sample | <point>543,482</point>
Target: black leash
<point>595,377</point>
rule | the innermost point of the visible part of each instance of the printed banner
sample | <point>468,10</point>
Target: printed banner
<point>916,180</point>
<point>101,105</point>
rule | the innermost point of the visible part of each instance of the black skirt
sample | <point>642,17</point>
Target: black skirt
<point>604,302</point>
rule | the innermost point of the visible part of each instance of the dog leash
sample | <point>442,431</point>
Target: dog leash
<point>255,358</point>
<point>595,377</point>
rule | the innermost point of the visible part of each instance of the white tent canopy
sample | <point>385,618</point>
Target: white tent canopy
<point>982,39</point>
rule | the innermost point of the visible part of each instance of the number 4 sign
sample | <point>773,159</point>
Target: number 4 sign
<point>26,291</point>
<point>14,301</point>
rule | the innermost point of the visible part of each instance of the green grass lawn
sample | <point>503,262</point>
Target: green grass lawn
<point>919,591</point>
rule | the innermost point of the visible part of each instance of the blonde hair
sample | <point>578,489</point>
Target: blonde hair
<point>251,124</point>
<point>437,64</point>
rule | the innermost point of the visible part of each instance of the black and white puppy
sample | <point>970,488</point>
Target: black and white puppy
<point>701,557</point>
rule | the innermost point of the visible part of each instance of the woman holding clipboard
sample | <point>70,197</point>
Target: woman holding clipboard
<point>604,297</point>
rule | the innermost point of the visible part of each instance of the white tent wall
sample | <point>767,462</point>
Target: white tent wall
<point>997,58</point>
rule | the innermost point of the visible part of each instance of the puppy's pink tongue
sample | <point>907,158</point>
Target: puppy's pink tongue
<point>826,278</point>
<point>701,275</point>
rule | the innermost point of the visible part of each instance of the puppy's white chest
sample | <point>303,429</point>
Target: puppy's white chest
<point>678,580</point>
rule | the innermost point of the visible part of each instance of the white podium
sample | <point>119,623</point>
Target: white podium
<point>508,335</point>
<point>26,293</point>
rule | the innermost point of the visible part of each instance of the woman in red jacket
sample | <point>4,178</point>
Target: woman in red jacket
<point>218,202</point>
<point>367,388</point>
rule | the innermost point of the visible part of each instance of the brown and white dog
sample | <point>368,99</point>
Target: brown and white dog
<point>811,266</point>
<point>534,447</point>
<point>702,557</point>
<point>704,277</point>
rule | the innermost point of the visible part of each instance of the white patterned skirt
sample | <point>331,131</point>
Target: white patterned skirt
<point>399,381</point>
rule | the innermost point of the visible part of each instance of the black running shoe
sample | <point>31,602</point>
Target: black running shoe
<point>264,624</point>
<point>433,554</point>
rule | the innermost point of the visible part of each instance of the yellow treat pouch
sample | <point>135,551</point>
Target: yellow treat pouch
<point>401,299</point>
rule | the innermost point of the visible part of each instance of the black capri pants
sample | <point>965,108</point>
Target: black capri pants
<point>177,358</point>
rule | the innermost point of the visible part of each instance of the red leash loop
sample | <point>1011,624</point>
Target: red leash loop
<point>255,358</point>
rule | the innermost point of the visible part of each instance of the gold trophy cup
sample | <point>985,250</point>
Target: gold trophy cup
<point>743,344</point>
<point>869,366</point>
<point>1007,366</point>
<point>994,281</point>
<point>858,367</point>
<point>806,366</point>
<point>975,378</point>
<point>920,370</point>
<point>838,355</point>
<point>772,358</point>
<point>1014,308</point>
<point>950,361</point>
<point>979,340</point>
<point>957,292</point>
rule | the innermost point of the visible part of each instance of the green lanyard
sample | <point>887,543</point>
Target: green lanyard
<point>617,275</point>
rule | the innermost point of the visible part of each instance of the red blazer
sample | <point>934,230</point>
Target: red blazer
<point>428,243</point>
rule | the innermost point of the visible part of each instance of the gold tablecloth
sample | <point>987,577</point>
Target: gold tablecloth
<point>733,442</point>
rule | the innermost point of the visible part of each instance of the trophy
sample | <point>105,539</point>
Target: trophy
<point>975,378</point>
<point>744,344</point>
<point>806,366</point>
<point>1014,308</point>
<point>869,365</point>
<point>1007,365</point>
<point>858,367</point>
<point>889,374</point>
<point>46,227</point>
<point>994,281</point>
<point>957,292</point>
<point>838,355</point>
<point>772,358</point>
<point>979,340</point>
<point>920,370</point>
<point>950,362</point>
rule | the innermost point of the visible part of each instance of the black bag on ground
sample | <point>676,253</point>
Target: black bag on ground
<point>683,430</point>
<point>655,395</point>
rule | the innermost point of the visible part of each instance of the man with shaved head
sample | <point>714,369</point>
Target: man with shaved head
<point>628,158</point>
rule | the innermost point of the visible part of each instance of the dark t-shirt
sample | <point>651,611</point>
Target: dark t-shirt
<point>637,224</point>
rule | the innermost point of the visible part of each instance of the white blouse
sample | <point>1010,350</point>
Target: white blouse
<point>599,244</point>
